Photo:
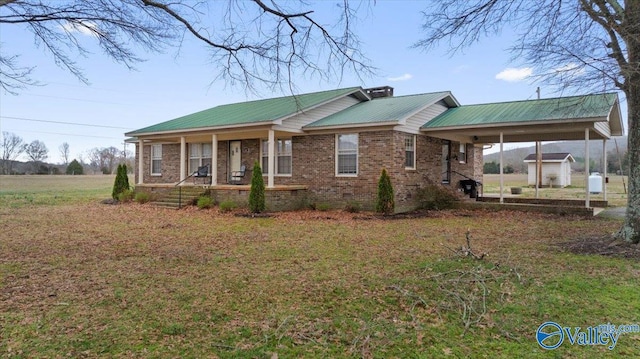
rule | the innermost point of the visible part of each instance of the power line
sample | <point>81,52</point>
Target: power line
<point>65,123</point>
<point>79,99</point>
<point>65,134</point>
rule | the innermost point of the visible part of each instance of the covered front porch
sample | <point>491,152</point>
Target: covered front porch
<point>226,156</point>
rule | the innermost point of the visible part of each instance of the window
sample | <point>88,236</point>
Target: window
<point>199,155</point>
<point>410,152</point>
<point>347,154</point>
<point>463,153</point>
<point>156,160</point>
<point>283,157</point>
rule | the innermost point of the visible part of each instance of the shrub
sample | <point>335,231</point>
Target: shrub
<point>352,207</point>
<point>142,197</point>
<point>226,206</point>
<point>323,207</point>
<point>256,195</point>
<point>385,202</point>
<point>121,183</point>
<point>126,196</point>
<point>204,202</point>
<point>435,197</point>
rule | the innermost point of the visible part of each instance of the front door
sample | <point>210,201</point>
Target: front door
<point>235,156</point>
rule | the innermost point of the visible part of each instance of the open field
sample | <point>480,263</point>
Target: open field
<point>19,191</point>
<point>616,194</point>
<point>90,280</point>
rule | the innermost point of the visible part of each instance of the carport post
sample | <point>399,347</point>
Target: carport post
<point>501,172</point>
<point>586,166</point>
<point>604,168</point>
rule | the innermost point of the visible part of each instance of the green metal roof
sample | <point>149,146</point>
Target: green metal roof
<point>246,112</point>
<point>562,108</point>
<point>379,110</point>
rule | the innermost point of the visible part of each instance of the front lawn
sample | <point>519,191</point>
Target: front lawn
<point>90,280</point>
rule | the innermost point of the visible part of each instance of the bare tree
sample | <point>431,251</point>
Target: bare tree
<point>37,151</point>
<point>104,159</point>
<point>593,45</point>
<point>12,146</point>
<point>64,152</point>
<point>251,42</point>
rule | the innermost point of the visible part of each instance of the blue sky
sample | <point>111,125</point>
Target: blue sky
<point>177,83</point>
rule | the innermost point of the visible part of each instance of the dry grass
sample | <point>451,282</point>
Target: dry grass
<point>616,194</point>
<point>91,280</point>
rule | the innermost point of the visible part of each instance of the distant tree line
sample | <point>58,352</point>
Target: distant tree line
<point>99,160</point>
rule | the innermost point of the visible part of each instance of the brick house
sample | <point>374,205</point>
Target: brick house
<point>323,147</point>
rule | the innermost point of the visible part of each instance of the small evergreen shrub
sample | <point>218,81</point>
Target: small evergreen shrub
<point>436,197</point>
<point>204,202</point>
<point>126,196</point>
<point>121,183</point>
<point>256,195</point>
<point>227,206</point>
<point>142,197</point>
<point>385,202</point>
<point>323,207</point>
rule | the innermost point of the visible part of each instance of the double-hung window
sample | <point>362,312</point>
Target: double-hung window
<point>347,154</point>
<point>283,157</point>
<point>463,153</point>
<point>199,155</point>
<point>156,160</point>
<point>410,152</point>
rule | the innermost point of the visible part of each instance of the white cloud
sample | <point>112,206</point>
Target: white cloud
<point>514,75</point>
<point>86,28</point>
<point>404,77</point>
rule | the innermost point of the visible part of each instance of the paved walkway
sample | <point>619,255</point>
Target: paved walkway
<point>613,212</point>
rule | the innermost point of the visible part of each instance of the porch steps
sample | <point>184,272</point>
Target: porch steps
<point>174,199</point>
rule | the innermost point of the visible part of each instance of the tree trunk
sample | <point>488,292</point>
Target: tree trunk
<point>630,231</point>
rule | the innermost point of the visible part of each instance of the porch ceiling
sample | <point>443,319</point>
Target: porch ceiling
<point>522,132</point>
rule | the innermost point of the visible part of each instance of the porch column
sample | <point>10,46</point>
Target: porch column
<point>183,158</point>
<point>214,160</point>
<point>501,170</point>
<point>586,166</point>
<point>604,168</point>
<point>271,158</point>
<point>140,161</point>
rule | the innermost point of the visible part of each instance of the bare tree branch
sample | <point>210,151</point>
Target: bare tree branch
<point>251,42</point>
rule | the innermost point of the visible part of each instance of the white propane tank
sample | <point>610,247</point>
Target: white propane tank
<point>595,183</point>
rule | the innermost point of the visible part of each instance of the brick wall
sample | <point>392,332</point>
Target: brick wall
<point>313,163</point>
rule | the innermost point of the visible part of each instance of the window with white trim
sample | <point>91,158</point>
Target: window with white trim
<point>199,155</point>
<point>283,157</point>
<point>462,157</point>
<point>347,154</point>
<point>410,152</point>
<point>156,160</point>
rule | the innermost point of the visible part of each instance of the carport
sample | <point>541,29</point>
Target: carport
<point>588,117</point>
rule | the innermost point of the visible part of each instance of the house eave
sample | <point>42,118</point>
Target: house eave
<point>352,126</point>
<point>201,129</point>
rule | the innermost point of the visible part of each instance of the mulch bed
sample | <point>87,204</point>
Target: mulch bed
<point>605,246</point>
